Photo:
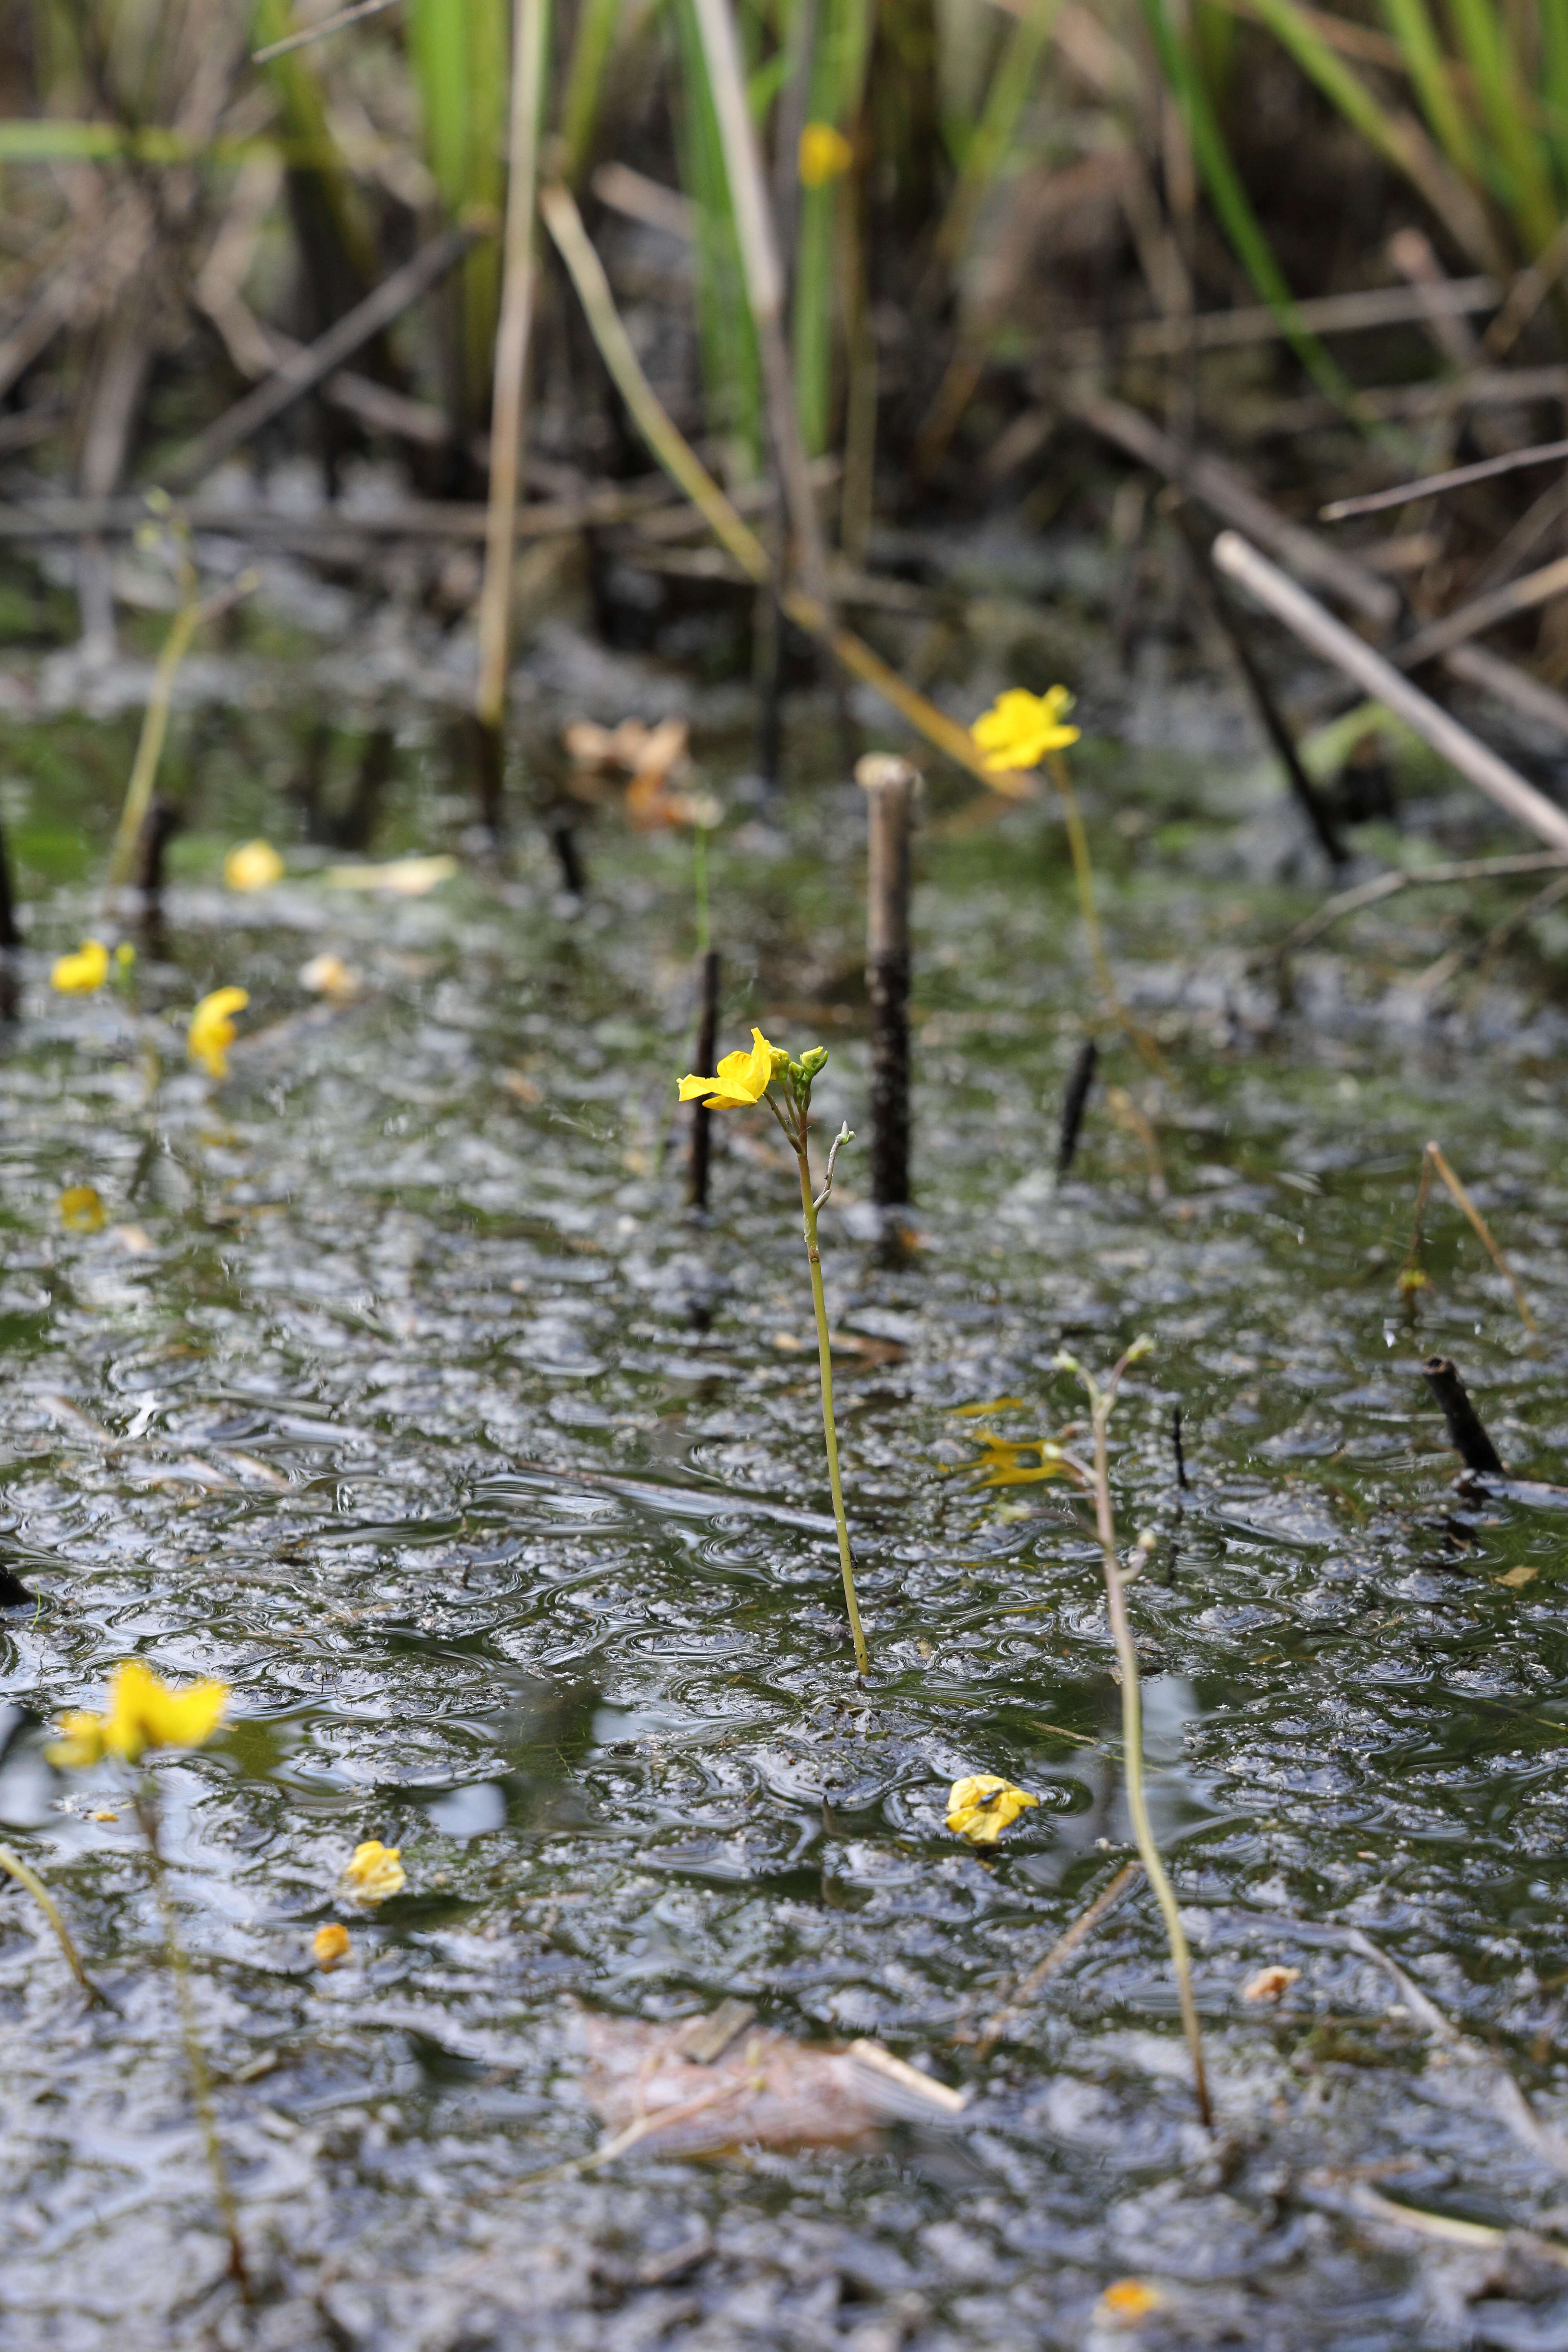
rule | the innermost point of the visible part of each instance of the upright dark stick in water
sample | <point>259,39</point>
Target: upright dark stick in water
<point>888,783</point>
<point>1465,1435</point>
<point>10,937</point>
<point>707,1049</point>
<point>569,857</point>
<point>1080,1077</point>
<point>162,821</point>
<point>1183,1481</point>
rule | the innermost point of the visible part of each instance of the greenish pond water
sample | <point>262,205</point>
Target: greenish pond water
<point>400,1391</point>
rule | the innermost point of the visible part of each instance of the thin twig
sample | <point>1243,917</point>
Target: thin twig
<point>1317,627</point>
<point>1061,1952</point>
<point>319,32</point>
<point>1387,886</point>
<point>1462,1202</point>
<point>1540,453</point>
<point>26,1875</point>
<point>844,1134</point>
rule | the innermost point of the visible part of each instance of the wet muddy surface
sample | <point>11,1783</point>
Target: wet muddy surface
<point>399,1389</point>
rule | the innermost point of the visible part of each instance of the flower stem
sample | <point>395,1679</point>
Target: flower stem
<point>196,2056</point>
<point>700,882</point>
<point>1133,1747</point>
<point>824,1373</point>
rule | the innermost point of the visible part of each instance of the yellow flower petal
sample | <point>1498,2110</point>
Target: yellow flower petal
<point>81,1209</point>
<point>1127,2301</point>
<point>211,1032</point>
<point>825,154</point>
<point>254,866</point>
<point>1020,727</point>
<point>144,1712</point>
<point>80,974</point>
<point>740,1080</point>
<point>375,1871</point>
<point>980,1807</point>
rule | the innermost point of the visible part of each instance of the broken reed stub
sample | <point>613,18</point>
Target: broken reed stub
<point>1466,1433</point>
<point>889,784</point>
<point>1075,1099</point>
<point>706,1048</point>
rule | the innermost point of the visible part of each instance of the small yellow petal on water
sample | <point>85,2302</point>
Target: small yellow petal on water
<point>80,974</point>
<point>1020,727</point>
<point>409,878</point>
<point>328,975</point>
<point>211,1032</point>
<point>80,1743</point>
<point>330,1946</point>
<point>1127,2301</point>
<point>375,1871</point>
<point>980,1807</point>
<point>81,1209</point>
<point>1270,1983</point>
<point>254,866</point>
<point>825,154</point>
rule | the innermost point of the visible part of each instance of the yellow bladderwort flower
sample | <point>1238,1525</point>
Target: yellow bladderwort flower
<point>741,1079</point>
<point>81,1209</point>
<point>1020,727</point>
<point>330,1946</point>
<point>211,1032</point>
<point>375,1871</point>
<point>81,974</point>
<point>980,1807</point>
<point>144,1712</point>
<point>825,154</point>
<point>254,866</point>
<point>1128,2301</point>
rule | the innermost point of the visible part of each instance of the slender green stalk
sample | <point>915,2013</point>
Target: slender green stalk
<point>190,2034</point>
<point>597,22</point>
<point>191,617</point>
<point>825,1373</point>
<point>1102,1401</point>
<point>1011,84</point>
<point>700,887</point>
<point>26,1875</point>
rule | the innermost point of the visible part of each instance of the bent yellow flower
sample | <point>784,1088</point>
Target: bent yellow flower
<point>144,1712</point>
<point>825,154</point>
<point>980,1807</point>
<point>741,1079</point>
<point>80,974</point>
<point>211,1032</point>
<point>254,866</point>
<point>1020,727</point>
<point>375,1871</point>
<point>81,1209</point>
<point>330,1946</point>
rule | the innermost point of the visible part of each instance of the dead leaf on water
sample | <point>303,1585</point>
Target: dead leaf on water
<point>761,2090</point>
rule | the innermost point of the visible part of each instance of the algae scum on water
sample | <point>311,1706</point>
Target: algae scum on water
<point>395,1389</point>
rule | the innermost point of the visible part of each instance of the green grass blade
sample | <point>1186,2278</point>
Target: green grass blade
<point>726,334</point>
<point>1012,83</point>
<point>459,49</point>
<point>1411,24</point>
<point>1555,78</point>
<point>1231,202</point>
<point>1398,139</point>
<point>1520,157</point>
<point>333,210</point>
<point>836,83</point>
<point>598,22</point>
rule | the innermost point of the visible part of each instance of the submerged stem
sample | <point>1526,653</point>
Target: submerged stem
<point>24,1875</point>
<point>196,2056</point>
<point>1132,1745</point>
<point>825,1371</point>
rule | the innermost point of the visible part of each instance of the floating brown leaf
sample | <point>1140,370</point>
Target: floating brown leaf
<point>763,2090</point>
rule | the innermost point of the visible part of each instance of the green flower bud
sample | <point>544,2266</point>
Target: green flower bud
<point>811,1062</point>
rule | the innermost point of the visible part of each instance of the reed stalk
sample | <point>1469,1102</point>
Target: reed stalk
<point>1101,1402</point>
<point>531,41</point>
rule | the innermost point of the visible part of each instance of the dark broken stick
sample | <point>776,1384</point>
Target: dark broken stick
<point>888,783</point>
<point>304,370</point>
<point>1080,1078</point>
<point>701,1117</point>
<point>1466,1433</point>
